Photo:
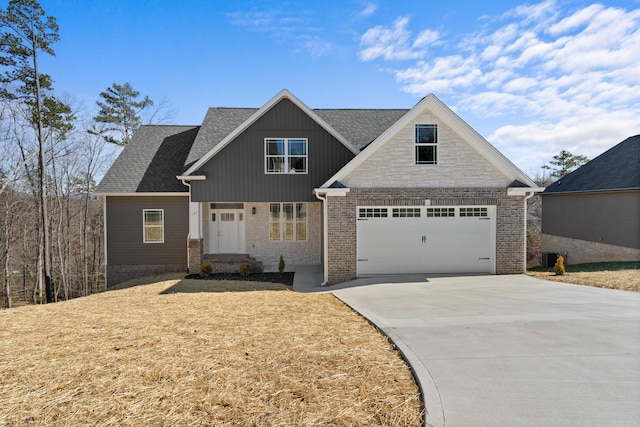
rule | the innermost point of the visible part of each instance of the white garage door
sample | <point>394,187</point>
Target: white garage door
<point>402,240</point>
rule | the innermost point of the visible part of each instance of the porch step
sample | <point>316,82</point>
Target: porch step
<point>229,263</point>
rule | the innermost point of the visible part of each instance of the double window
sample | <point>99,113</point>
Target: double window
<point>153,225</point>
<point>288,221</point>
<point>285,155</point>
<point>426,144</point>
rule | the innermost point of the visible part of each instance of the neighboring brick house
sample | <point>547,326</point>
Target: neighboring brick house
<point>593,214</point>
<point>359,191</point>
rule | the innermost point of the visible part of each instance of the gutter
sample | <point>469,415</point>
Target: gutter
<point>322,194</point>
<point>325,235</point>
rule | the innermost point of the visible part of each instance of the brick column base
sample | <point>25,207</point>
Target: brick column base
<point>194,255</point>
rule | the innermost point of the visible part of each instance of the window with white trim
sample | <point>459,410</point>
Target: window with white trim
<point>288,221</point>
<point>153,225</point>
<point>426,144</point>
<point>285,155</point>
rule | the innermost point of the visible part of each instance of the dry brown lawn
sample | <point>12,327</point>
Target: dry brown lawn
<point>187,353</point>
<point>626,280</point>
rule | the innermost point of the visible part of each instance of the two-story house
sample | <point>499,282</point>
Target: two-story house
<point>358,191</point>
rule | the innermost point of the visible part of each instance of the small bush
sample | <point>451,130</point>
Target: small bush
<point>245,269</point>
<point>559,267</point>
<point>281,265</point>
<point>206,270</point>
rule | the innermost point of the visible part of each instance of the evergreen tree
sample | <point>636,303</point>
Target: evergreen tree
<point>25,33</point>
<point>120,111</point>
<point>564,163</point>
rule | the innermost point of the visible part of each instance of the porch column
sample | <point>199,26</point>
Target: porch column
<point>194,239</point>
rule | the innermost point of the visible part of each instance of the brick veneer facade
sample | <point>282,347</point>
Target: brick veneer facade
<point>194,255</point>
<point>341,233</point>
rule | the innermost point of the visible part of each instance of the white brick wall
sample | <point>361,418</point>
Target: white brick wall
<point>459,164</point>
<point>260,247</point>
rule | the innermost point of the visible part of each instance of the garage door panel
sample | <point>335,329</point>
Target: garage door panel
<point>427,244</point>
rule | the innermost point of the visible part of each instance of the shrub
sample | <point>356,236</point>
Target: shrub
<point>245,269</point>
<point>559,267</point>
<point>281,265</point>
<point>206,270</point>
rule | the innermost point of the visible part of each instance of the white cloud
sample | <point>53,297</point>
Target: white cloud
<point>394,43</point>
<point>558,79</point>
<point>368,10</point>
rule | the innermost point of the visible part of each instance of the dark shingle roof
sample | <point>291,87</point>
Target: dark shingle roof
<point>616,169</point>
<point>359,126</point>
<point>156,154</point>
<point>151,161</point>
<point>218,123</point>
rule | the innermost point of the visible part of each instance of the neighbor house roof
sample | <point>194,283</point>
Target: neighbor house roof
<point>616,169</point>
<point>151,161</point>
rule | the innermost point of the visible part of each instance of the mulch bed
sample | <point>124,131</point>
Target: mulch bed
<point>284,278</point>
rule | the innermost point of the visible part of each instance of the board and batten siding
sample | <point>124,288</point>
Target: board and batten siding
<point>605,217</point>
<point>459,164</point>
<point>237,172</point>
<point>125,230</point>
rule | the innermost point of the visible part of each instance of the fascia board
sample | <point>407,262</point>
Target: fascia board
<point>184,194</point>
<point>191,177</point>
<point>477,141</point>
<point>522,191</point>
<point>284,93</point>
<point>332,192</point>
<point>451,119</point>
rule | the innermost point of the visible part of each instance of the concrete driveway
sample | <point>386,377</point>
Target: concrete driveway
<point>513,350</point>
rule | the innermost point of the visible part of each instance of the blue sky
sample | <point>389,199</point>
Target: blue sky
<point>533,78</point>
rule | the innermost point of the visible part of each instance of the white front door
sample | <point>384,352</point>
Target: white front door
<point>226,231</point>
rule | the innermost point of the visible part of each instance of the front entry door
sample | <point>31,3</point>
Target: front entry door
<point>226,231</point>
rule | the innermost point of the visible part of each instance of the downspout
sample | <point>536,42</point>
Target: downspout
<point>188,184</point>
<point>325,235</point>
<point>527,196</point>
<point>104,231</point>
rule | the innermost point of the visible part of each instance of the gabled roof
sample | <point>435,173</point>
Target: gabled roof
<point>361,126</point>
<point>283,94</point>
<point>616,169</point>
<point>151,161</point>
<point>217,124</point>
<point>432,104</point>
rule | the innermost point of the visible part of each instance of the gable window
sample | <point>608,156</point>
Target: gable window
<point>153,225</point>
<point>426,144</point>
<point>285,155</point>
<point>288,221</point>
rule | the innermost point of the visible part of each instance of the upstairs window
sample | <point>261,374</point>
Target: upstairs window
<point>153,225</point>
<point>426,144</point>
<point>285,155</point>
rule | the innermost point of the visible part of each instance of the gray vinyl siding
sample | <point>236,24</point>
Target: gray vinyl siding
<point>237,172</point>
<point>605,217</point>
<point>125,226</point>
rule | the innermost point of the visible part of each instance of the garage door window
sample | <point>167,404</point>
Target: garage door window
<point>440,212</point>
<point>406,212</point>
<point>372,213</point>
<point>466,212</point>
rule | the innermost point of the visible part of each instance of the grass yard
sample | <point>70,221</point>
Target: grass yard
<point>612,275</point>
<point>192,352</point>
